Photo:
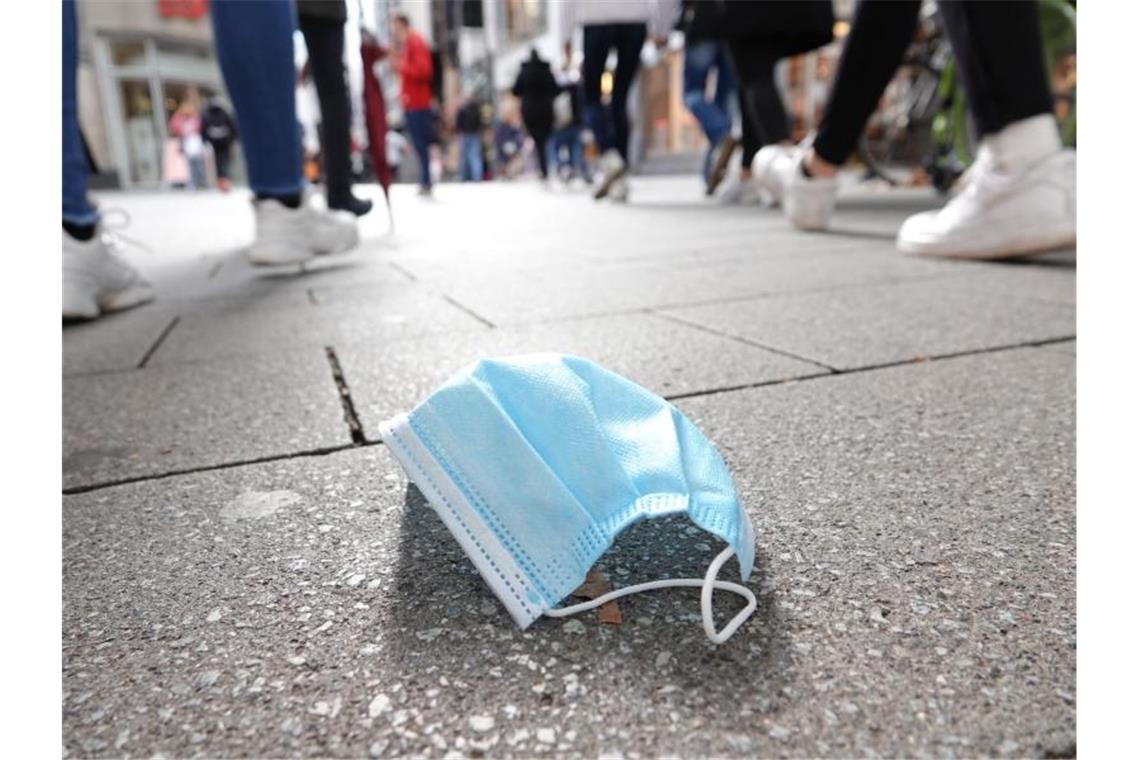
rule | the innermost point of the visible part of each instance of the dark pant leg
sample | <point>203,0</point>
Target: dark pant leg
<point>419,124</point>
<point>762,108</point>
<point>596,42</point>
<point>221,159</point>
<point>541,138</point>
<point>997,45</point>
<point>629,39</point>
<point>325,40</point>
<point>879,37</point>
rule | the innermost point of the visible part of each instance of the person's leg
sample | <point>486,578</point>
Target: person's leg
<point>254,42</point>
<point>629,40</point>
<point>760,100</point>
<point>997,46</point>
<point>700,59</point>
<point>596,43</point>
<point>464,149</point>
<point>95,280</point>
<point>542,140</point>
<point>79,217</point>
<point>325,40</point>
<point>880,33</point>
<point>419,130</point>
<point>1022,187</point>
<point>725,81</point>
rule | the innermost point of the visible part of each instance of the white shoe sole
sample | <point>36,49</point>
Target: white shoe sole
<point>1031,242</point>
<point>276,256</point>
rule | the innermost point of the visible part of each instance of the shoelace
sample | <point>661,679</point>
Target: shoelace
<point>707,585</point>
<point>112,222</point>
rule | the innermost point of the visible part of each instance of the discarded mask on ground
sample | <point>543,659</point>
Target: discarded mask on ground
<point>535,464</point>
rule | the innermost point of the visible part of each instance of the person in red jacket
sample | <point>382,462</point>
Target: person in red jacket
<point>413,64</point>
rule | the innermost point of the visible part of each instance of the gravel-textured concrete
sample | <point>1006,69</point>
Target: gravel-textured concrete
<point>667,357</point>
<point>916,575</point>
<point>129,424</point>
<point>915,523</point>
<point>876,324</point>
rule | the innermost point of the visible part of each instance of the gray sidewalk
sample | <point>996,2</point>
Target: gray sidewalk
<point>247,572</point>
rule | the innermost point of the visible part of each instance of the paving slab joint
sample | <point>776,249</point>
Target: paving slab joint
<point>355,429</point>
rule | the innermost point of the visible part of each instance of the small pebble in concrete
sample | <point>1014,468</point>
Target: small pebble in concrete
<point>481,723</point>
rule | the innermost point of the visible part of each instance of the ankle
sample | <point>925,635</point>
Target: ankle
<point>80,232</point>
<point>814,167</point>
<point>288,201</point>
<point>1024,142</point>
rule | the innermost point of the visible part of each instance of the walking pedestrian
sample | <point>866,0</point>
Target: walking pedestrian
<point>705,58</point>
<point>185,126</point>
<point>220,132</point>
<point>469,125</point>
<point>414,65</point>
<point>759,35</point>
<point>536,89</point>
<point>618,26</point>
<point>1021,192</point>
<point>322,25</point>
<point>566,152</point>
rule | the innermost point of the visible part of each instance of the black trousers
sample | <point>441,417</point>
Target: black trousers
<point>997,46</point>
<point>610,122</point>
<point>325,40</point>
<point>764,120</point>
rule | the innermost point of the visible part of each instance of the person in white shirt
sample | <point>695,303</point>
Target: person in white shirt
<point>621,26</point>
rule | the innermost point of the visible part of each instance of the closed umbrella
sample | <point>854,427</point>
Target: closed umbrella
<point>376,115</point>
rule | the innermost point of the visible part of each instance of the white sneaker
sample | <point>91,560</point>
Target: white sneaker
<point>612,168</point>
<point>619,190</point>
<point>808,202</point>
<point>295,235</point>
<point>1000,214</point>
<point>768,166</point>
<point>96,280</point>
<point>735,190</point>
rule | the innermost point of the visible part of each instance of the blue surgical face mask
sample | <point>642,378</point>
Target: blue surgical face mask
<point>535,463</point>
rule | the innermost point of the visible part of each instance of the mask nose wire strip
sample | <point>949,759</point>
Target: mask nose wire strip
<point>706,586</point>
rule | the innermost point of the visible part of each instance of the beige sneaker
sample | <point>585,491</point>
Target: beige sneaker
<point>96,280</point>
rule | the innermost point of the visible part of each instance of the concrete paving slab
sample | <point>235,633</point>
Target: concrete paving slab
<point>160,419</point>
<point>115,342</point>
<point>387,311</point>
<point>387,378</point>
<point>1052,279</point>
<point>915,575</point>
<point>876,324</point>
<point>562,294</point>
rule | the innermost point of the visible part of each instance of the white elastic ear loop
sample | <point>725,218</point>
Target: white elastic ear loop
<point>706,586</point>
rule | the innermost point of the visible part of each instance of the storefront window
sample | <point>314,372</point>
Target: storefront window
<point>128,53</point>
<point>141,135</point>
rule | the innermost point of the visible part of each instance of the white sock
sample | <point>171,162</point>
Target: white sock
<point>1023,143</point>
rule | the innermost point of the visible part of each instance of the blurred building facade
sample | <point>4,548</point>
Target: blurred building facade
<point>137,62</point>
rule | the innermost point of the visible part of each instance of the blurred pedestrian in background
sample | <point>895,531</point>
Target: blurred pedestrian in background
<point>1020,194</point>
<point>414,65</point>
<point>185,126</point>
<point>565,147</point>
<point>469,125</point>
<point>220,132</point>
<point>322,24</point>
<point>619,26</point>
<point>508,141</point>
<point>536,89</point>
<point>705,58</point>
<point>758,35</point>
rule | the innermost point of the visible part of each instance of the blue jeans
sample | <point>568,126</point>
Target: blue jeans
<point>76,209</point>
<point>254,41</point>
<point>714,116</point>
<point>569,138</point>
<point>419,122</point>
<point>470,157</point>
